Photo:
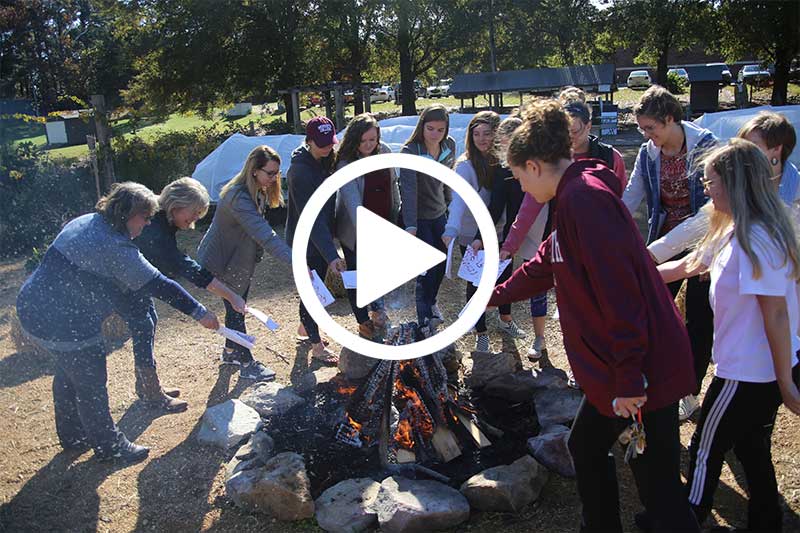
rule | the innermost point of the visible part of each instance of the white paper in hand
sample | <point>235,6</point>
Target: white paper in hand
<point>242,339</point>
<point>262,317</point>
<point>471,266</point>
<point>448,269</point>
<point>324,295</point>
<point>349,279</point>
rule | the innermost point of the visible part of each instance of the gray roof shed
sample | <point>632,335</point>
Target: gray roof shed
<point>597,78</point>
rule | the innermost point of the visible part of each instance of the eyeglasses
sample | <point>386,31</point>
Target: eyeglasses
<point>270,174</point>
<point>649,129</point>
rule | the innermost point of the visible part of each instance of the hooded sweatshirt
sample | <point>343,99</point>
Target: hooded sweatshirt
<point>618,318</point>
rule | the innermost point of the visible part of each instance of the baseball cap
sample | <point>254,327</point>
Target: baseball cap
<point>322,131</point>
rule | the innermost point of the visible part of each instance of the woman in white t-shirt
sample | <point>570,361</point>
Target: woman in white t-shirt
<point>752,254</point>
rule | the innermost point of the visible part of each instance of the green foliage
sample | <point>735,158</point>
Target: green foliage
<point>40,195</point>
<point>676,84</point>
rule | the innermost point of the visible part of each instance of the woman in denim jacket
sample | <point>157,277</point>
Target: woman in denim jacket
<point>667,173</point>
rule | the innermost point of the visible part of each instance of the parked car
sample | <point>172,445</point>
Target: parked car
<point>680,72</point>
<point>380,94</point>
<point>754,75</point>
<point>724,71</point>
<point>639,79</point>
<point>440,90</point>
<point>349,96</point>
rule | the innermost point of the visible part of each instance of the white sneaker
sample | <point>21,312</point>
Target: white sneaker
<point>511,329</point>
<point>482,342</point>
<point>538,348</point>
<point>687,406</point>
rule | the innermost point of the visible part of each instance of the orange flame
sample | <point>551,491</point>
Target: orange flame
<point>404,436</point>
<point>355,425</point>
<point>346,390</point>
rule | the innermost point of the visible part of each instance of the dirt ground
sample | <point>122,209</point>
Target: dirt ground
<point>180,487</point>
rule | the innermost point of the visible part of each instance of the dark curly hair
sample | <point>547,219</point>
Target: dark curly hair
<point>543,135</point>
<point>348,148</point>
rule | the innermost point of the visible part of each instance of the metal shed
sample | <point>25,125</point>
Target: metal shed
<point>704,83</point>
<point>595,78</point>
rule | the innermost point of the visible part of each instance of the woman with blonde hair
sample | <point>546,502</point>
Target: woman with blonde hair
<point>424,203</point>
<point>181,203</point>
<point>377,191</point>
<point>751,252</point>
<point>90,270</point>
<point>235,242</point>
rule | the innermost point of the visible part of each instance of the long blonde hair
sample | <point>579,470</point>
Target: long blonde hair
<point>746,177</point>
<point>260,156</point>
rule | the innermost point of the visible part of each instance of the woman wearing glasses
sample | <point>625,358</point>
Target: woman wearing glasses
<point>235,242</point>
<point>667,174</point>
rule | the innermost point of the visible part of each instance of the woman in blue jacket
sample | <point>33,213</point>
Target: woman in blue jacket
<point>91,269</point>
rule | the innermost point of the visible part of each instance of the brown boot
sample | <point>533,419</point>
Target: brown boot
<point>148,388</point>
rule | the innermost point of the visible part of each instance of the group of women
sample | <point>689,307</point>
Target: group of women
<point>558,197</point>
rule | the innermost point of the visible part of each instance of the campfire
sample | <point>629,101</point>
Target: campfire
<point>409,410</point>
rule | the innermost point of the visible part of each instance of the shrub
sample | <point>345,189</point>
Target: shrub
<point>676,84</point>
<point>40,196</point>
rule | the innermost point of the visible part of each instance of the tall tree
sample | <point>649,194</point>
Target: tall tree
<point>769,29</point>
<point>657,27</point>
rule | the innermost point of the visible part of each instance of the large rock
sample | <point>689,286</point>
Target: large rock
<point>348,506</point>
<point>406,505</point>
<point>520,386</point>
<point>507,488</point>
<point>270,398</point>
<point>556,406</point>
<point>227,424</point>
<point>354,365</point>
<point>319,376</point>
<point>279,488</point>
<point>550,449</point>
<point>487,366</point>
<point>255,452</point>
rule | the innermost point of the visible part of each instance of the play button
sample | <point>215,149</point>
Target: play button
<point>387,256</point>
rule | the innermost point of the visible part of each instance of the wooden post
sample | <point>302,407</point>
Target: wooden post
<point>104,134</point>
<point>338,100</point>
<point>328,104</point>
<point>366,92</point>
<point>298,127</point>
<point>91,142</point>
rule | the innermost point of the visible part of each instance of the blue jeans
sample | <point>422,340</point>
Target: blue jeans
<point>142,321</point>
<point>314,262</point>
<point>80,399</point>
<point>430,232</point>
<point>539,305</point>
<point>235,320</point>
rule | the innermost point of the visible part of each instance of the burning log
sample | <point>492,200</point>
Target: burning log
<point>408,408</point>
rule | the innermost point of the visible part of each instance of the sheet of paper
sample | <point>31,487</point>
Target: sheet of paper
<point>349,279</point>
<point>243,339</point>
<point>471,265</point>
<point>324,295</point>
<point>448,269</point>
<point>262,317</point>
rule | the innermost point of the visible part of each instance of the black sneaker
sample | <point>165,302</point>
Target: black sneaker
<point>125,451</point>
<point>256,371</point>
<point>230,358</point>
<point>75,445</point>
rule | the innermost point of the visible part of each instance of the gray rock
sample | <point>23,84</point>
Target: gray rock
<point>354,365</point>
<point>348,506</point>
<point>262,445</point>
<point>280,488</point>
<point>507,488</point>
<point>520,386</point>
<point>405,505</point>
<point>227,424</point>
<point>556,406</point>
<point>270,398</point>
<point>236,465</point>
<point>487,366</point>
<point>550,449</point>
<point>312,379</point>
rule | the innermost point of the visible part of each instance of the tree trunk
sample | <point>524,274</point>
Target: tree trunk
<point>287,103</point>
<point>359,93</point>
<point>662,66</point>
<point>492,45</point>
<point>780,80</point>
<point>406,69</point>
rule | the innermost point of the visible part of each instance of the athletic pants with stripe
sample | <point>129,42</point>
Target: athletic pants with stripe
<point>737,415</point>
<point>657,472</point>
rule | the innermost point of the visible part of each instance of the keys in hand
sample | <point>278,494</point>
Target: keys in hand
<point>638,443</point>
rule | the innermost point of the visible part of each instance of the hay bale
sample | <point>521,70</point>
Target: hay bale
<point>680,300</point>
<point>335,284</point>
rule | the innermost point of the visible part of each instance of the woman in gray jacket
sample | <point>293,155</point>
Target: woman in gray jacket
<point>236,240</point>
<point>377,191</point>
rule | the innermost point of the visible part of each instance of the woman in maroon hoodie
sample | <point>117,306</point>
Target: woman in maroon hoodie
<point>622,332</point>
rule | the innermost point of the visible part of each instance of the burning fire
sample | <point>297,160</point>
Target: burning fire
<point>355,425</point>
<point>404,436</point>
<point>346,390</point>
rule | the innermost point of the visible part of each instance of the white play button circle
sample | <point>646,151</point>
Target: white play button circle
<point>387,273</point>
<point>382,247</point>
